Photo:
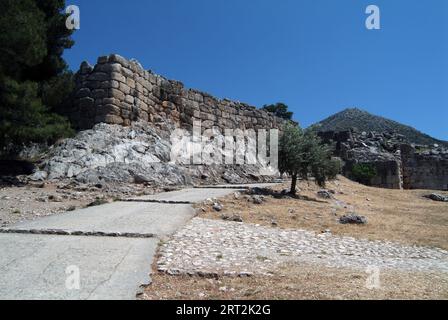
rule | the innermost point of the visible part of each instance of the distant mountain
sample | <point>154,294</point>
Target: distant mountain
<point>364,121</point>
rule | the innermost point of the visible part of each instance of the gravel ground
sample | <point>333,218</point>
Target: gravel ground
<point>213,247</point>
<point>32,201</point>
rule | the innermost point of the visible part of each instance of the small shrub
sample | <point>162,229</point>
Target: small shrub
<point>363,172</point>
<point>334,167</point>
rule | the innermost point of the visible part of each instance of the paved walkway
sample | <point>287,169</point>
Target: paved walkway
<point>213,247</point>
<point>110,247</point>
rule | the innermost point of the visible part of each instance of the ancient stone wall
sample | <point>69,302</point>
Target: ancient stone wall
<point>118,91</point>
<point>424,170</point>
<point>398,164</point>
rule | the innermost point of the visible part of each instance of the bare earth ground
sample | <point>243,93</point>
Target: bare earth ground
<point>294,282</point>
<point>404,217</point>
<point>32,201</point>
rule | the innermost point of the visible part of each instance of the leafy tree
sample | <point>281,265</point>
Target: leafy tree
<point>32,72</point>
<point>280,110</point>
<point>363,172</point>
<point>301,155</point>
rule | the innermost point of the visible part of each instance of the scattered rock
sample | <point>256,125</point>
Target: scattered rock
<point>217,207</point>
<point>234,218</point>
<point>353,219</point>
<point>325,194</point>
<point>257,199</point>
<point>39,176</point>
<point>55,198</point>
<point>437,197</point>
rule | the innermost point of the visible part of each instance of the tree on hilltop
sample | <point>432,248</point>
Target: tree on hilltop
<point>280,110</point>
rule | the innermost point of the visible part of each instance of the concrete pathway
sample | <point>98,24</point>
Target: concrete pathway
<point>102,252</point>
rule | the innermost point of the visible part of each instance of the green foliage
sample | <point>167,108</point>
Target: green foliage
<point>57,90</point>
<point>58,38</point>
<point>334,167</point>
<point>279,109</point>
<point>363,172</point>
<point>24,119</point>
<point>22,40</point>
<point>301,154</point>
<point>33,77</point>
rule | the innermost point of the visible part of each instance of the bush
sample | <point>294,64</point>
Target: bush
<point>334,167</point>
<point>363,172</point>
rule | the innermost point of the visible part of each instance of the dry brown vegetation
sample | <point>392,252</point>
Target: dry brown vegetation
<point>295,282</point>
<point>397,215</point>
<point>404,216</point>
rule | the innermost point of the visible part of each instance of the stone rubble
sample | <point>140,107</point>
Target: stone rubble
<point>399,164</point>
<point>211,247</point>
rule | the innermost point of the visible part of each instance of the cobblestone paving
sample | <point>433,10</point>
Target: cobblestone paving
<point>211,247</point>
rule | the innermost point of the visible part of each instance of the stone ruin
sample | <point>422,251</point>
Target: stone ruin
<point>119,91</point>
<point>399,164</point>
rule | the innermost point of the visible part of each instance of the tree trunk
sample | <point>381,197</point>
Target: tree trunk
<point>293,184</point>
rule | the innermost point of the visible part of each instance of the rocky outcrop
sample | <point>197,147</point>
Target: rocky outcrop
<point>108,154</point>
<point>397,162</point>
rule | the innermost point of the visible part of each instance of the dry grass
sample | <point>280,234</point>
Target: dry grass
<point>398,215</point>
<point>300,283</point>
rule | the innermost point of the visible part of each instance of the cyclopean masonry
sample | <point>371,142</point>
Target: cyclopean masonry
<point>119,91</point>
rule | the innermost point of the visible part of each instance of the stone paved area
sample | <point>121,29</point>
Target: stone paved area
<point>212,247</point>
<point>107,244</point>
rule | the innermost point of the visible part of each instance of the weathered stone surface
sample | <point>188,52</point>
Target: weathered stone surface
<point>398,163</point>
<point>211,247</point>
<point>437,197</point>
<point>109,154</point>
<point>171,103</point>
<point>353,219</point>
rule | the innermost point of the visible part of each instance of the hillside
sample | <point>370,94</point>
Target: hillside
<point>364,121</point>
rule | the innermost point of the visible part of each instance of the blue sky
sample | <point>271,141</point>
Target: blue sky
<point>314,55</point>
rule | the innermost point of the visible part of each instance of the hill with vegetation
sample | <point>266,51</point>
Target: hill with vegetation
<point>361,120</point>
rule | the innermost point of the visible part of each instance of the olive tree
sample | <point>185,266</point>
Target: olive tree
<point>302,155</point>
